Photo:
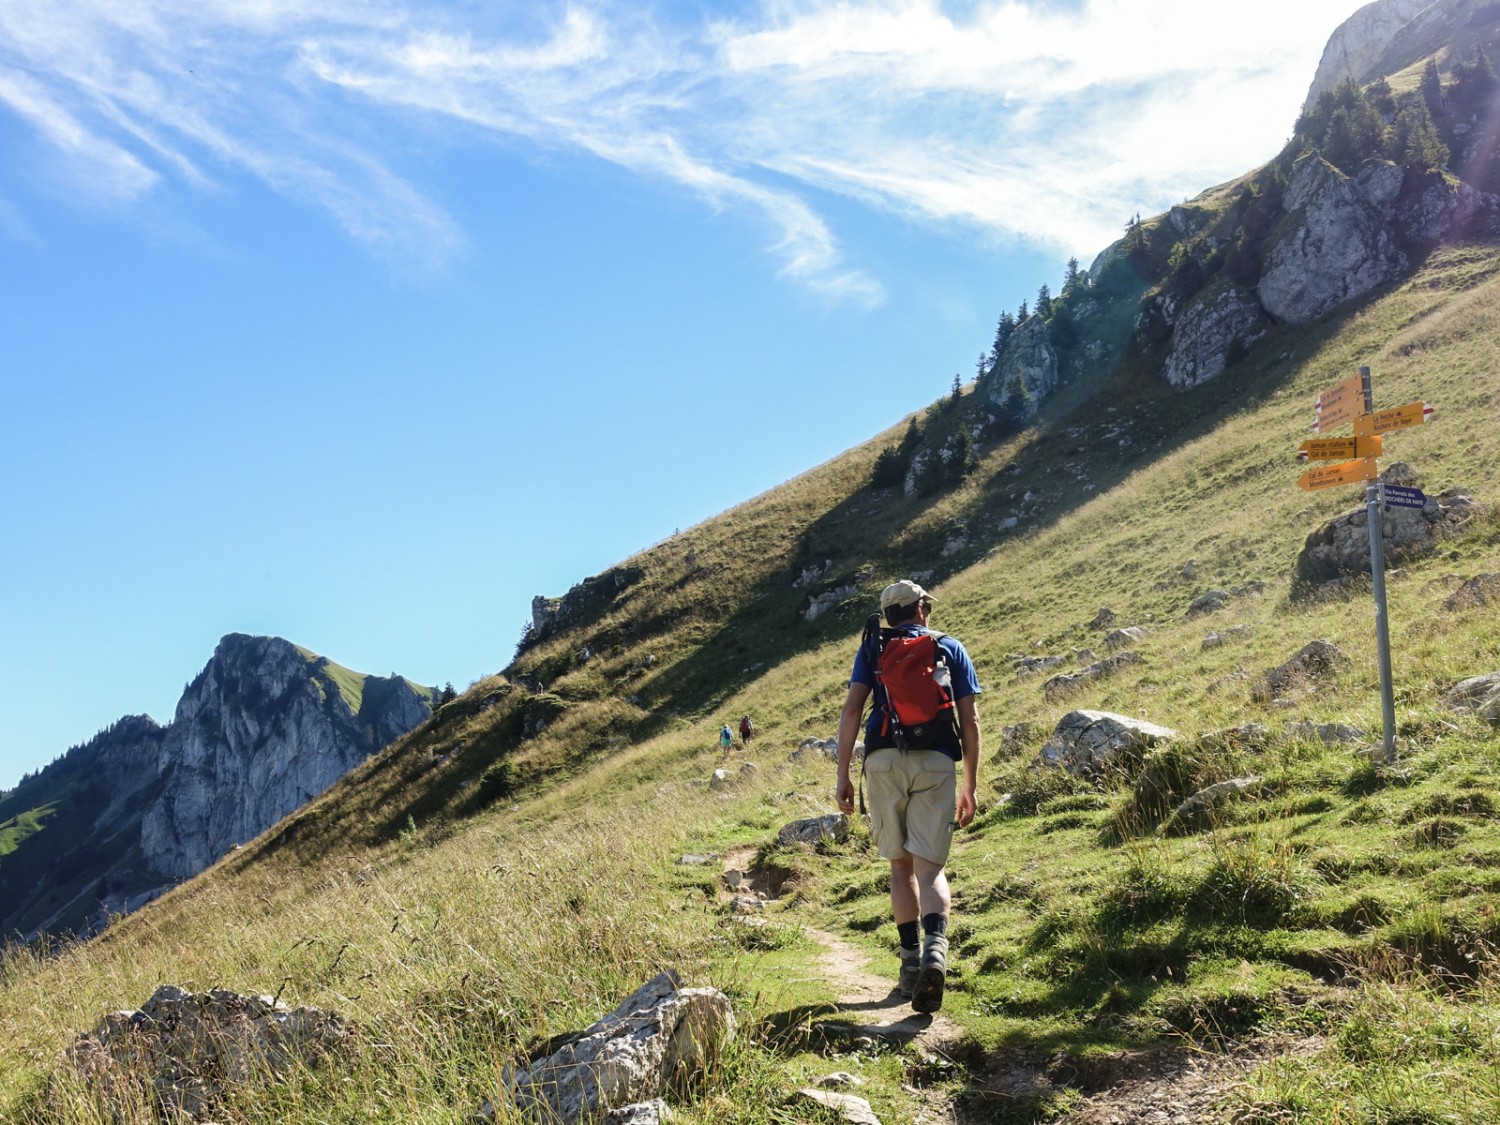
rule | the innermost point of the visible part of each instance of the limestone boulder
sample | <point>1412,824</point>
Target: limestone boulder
<point>189,1051</point>
<point>659,1034</point>
<point>1341,548</point>
<point>1066,684</point>
<point>1317,662</point>
<point>815,829</point>
<point>1477,694</point>
<point>1088,743</point>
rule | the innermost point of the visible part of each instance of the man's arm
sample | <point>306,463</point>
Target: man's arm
<point>968,733</point>
<point>849,720</point>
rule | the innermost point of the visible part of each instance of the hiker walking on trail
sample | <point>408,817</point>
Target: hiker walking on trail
<point>747,731</point>
<point>924,723</point>
<point>726,739</point>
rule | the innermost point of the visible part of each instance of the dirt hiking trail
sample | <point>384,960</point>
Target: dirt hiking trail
<point>1162,1086</point>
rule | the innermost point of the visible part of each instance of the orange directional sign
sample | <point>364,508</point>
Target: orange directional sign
<point>1340,403</point>
<point>1400,417</point>
<point>1345,472</point>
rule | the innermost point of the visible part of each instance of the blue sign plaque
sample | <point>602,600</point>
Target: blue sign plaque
<point>1397,496</point>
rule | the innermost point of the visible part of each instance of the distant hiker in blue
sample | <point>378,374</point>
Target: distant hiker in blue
<point>726,739</point>
<point>924,723</point>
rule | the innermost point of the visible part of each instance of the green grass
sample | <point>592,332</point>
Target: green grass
<point>22,825</point>
<point>508,871</point>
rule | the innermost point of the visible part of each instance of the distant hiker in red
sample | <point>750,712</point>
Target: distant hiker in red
<point>747,730</point>
<point>924,723</point>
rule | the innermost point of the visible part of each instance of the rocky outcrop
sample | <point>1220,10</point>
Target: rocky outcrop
<point>585,602</point>
<point>264,728</point>
<point>1349,234</point>
<point>1025,374</point>
<point>188,1051</point>
<point>1315,664</point>
<point>1223,319</point>
<point>1087,743</point>
<point>1341,244</point>
<point>1341,548</point>
<point>1358,43</point>
<point>1067,683</point>
<point>658,1034</point>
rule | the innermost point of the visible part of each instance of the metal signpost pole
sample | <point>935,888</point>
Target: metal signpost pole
<point>1374,503</point>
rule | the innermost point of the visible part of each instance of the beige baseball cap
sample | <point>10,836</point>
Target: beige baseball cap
<point>905,592</point>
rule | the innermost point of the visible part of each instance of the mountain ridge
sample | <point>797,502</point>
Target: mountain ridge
<point>263,727</point>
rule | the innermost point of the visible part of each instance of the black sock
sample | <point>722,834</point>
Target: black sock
<point>908,932</point>
<point>935,924</point>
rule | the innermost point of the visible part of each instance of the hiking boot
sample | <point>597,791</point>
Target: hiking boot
<point>927,995</point>
<point>911,965</point>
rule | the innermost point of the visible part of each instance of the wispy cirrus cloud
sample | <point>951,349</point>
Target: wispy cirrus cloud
<point>1014,122</point>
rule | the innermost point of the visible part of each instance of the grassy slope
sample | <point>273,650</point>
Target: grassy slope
<point>507,871</point>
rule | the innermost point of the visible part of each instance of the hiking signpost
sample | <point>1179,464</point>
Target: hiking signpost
<point>1353,400</point>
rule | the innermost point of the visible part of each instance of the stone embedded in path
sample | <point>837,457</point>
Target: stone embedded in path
<point>657,1034</point>
<point>189,1049</point>
<point>721,779</point>
<point>815,829</point>
<point>1086,743</point>
<point>852,1109</point>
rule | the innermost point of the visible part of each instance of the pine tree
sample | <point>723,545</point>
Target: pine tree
<point>1415,141</point>
<point>1431,89</point>
<point>1044,301</point>
<point>1355,132</point>
<point>1003,329</point>
<point>1073,277</point>
<point>1022,313</point>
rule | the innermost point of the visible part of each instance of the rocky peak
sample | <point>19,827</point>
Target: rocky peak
<point>1358,43</point>
<point>264,728</point>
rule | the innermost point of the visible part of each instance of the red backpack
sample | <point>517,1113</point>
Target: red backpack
<point>913,670</point>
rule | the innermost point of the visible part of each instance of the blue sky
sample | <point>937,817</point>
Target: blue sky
<point>360,323</point>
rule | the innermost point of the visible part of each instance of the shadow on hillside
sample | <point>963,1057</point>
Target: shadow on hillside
<point>1090,440</point>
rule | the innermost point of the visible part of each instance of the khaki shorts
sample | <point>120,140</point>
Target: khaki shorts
<point>913,798</point>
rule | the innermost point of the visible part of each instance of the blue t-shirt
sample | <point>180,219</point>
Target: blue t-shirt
<point>965,683</point>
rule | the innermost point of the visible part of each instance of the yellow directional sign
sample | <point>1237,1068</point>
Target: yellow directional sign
<point>1326,449</point>
<point>1340,403</point>
<point>1345,472</point>
<point>1339,449</point>
<point>1400,417</point>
